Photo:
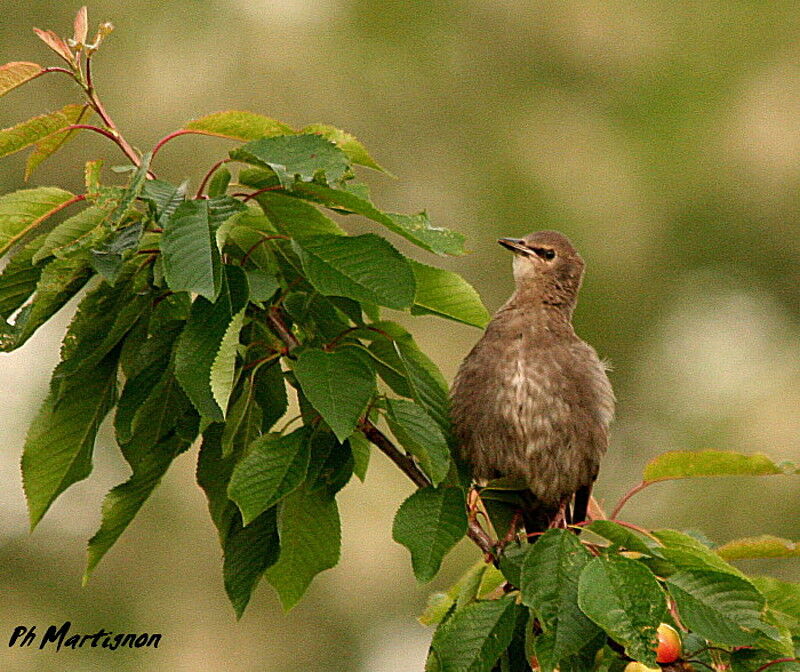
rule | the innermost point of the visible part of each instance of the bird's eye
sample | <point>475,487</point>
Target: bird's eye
<point>544,252</point>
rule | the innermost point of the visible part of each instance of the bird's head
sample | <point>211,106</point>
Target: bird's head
<point>546,265</point>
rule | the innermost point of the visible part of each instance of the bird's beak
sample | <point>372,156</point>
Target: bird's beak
<point>516,245</point>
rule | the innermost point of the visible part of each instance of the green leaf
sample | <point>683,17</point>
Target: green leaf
<point>783,597</point>
<point>448,295</point>
<point>190,253</point>
<point>623,597</point>
<point>202,338</point>
<point>269,388</point>
<point>295,217</point>
<point>474,637</point>
<point>68,234</point>
<point>244,419</point>
<point>720,607</point>
<point>157,418</point>
<point>549,580</point>
<point>764,546</point>
<point>91,178</point>
<point>16,74</point>
<point>58,449</point>
<point>428,387</point>
<point>623,537</point>
<point>758,660</point>
<point>109,257</point>
<point>360,447</point>
<point>686,552</point>
<point>296,157</point>
<point>421,436</point>
<point>339,386</point>
<point>22,211</point>
<point>414,228</point>
<point>138,388</point>
<point>348,143</point>
<point>102,319</point>
<point>511,561</point>
<point>238,125</point>
<point>316,314</point>
<point>462,592</point>
<point>213,474</point>
<point>218,186</point>
<point>686,464</point>
<point>309,528</point>
<point>18,278</point>
<point>123,502</point>
<point>38,130</point>
<point>49,145</point>
<point>132,191</point>
<point>164,198</point>
<point>274,467</point>
<point>331,464</point>
<point>224,364</point>
<point>429,523</point>
<point>59,282</point>
<point>249,552</point>
<point>362,268</point>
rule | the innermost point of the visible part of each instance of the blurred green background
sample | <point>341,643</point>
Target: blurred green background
<point>662,136</point>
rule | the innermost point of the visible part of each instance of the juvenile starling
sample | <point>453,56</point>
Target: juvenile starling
<point>532,401</point>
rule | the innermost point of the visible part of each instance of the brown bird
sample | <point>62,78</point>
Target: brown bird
<point>532,401</point>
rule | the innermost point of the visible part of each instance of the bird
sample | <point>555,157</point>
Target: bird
<point>532,401</point>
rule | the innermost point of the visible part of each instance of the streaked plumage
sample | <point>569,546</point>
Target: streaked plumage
<point>532,400</point>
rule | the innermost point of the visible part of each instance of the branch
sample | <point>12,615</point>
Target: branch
<point>98,107</point>
<point>289,339</point>
<point>624,499</point>
<point>406,464</point>
<point>385,445</point>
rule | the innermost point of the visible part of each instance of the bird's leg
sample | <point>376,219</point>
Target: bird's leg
<point>559,520</point>
<point>473,509</point>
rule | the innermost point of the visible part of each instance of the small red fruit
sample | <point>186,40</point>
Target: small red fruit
<point>669,644</point>
<point>635,666</point>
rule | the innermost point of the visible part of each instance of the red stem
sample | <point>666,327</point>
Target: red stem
<point>65,204</point>
<point>175,134</point>
<point>208,175</point>
<point>98,107</point>
<point>624,500</point>
<point>247,197</point>
<point>636,528</point>
<point>261,242</point>
<point>53,69</point>
<point>89,127</point>
<point>776,662</point>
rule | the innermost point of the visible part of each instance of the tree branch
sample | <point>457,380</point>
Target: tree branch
<point>405,463</point>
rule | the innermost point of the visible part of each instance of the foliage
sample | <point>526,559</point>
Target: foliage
<point>204,318</point>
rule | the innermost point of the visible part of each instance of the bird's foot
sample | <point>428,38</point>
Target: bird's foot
<point>559,520</point>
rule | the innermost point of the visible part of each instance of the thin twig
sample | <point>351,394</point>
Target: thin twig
<point>248,197</point>
<point>627,496</point>
<point>265,237</point>
<point>175,134</point>
<point>776,662</point>
<point>208,175</point>
<point>406,464</point>
<point>285,335</point>
<point>98,107</point>
<point>638,529</point>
